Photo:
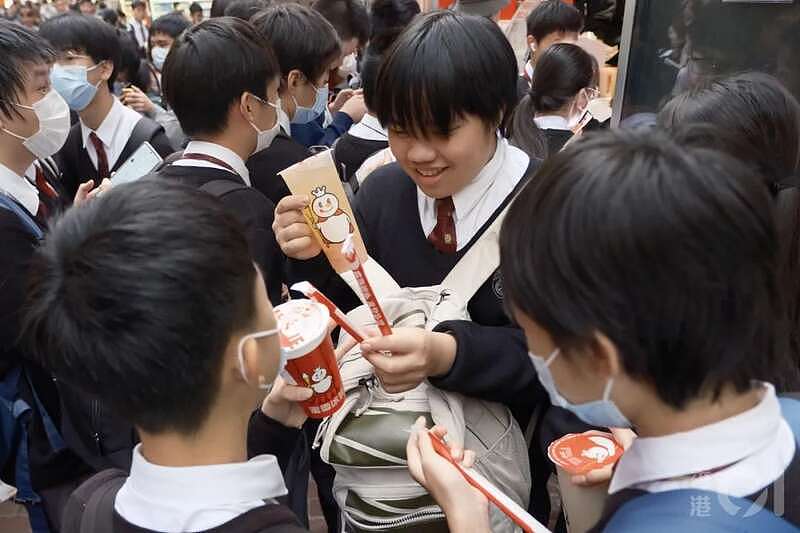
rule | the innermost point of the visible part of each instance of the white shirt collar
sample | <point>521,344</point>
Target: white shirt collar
<point>108,128</point>
<point>370,129</point>
<point>467,198</point>
<point>551,122</point>
<point>225,155</point>
<point>19,188</point>
<point>197,497</point>
<point>758,443</point>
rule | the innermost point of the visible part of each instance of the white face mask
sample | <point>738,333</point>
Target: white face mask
<point>52,112</point>
<point>265,137</point>
<point>159,55</point>
<point>262,382</point>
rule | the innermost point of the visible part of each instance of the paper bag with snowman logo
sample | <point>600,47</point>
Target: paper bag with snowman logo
<point>329,215</point>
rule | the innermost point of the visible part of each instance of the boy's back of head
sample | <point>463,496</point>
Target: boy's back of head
<point>349,17</point>
<point>136,298</point>
<point>208,69</point>
<point>553,17</point>
<point>667,249</point>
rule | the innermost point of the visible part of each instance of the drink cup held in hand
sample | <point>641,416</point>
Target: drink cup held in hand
<point>579,454</point>
<point>311,360</point>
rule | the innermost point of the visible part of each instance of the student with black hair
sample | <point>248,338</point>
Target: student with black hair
<point>239,121</point>
<point>245,9</point>
<point>758,121</point>
<point>218,8</point>
<point>168,261</point>
<point>388,18</point>
<point>563,85</point>
<point>551,22</point>
<point>195,13</point>
<point>108,133</point>
<point>673,332</point>
<point>324,124</point>
<point>444,92</point>
<point>34,124</point>
<point>147,99</point>
<point>303,63</point>
<point>138,27</point>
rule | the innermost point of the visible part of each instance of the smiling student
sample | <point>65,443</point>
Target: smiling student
<point>643,272</point>
<point>108,133</point>
<point>443,92</point>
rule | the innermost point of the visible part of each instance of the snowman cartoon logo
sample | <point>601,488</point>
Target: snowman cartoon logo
<point>320,381</point>
<point>604,449</point>
<point>333,223</point>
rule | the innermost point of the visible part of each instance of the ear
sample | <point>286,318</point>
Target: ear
<point>295,79</point>
<point>250,362</point>
<point>532,41</point>
<point>246,106</point>
<point>106,70</point>
<point>606,360</point>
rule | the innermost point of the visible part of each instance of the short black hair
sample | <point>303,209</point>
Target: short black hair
<point>109,16</point>
<point>668,250</point>
<point>136,298</point>
<point>313,54</point>
<point>18,47</point>
<point>444,66</point>
<point>172,24</point>
<point>245,9</point>
<point>208,69</point>
<point>138,3</point>
<point>131,61</point>
<point>84,34</point>
<point>218,8</point>
<point>388,19</point>
<point>194,7</point>
<point>349,17</point>
<point>553,16</point>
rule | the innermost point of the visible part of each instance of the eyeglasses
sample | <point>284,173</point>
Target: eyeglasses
<point>266,102</point>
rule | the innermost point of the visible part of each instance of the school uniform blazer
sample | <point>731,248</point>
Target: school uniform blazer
<point>266,164</point>
<point>76,167</point>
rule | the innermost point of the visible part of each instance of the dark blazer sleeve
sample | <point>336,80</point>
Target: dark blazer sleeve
<point>268,436</point>
<point>491,363</point>
<point>67,160</point>
<point>18,247</point>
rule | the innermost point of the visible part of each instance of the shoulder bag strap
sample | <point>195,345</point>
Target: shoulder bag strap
<point>6,202</point>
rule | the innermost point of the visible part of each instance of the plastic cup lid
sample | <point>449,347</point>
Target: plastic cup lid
<point>579,453</point>
<point>302,325</point>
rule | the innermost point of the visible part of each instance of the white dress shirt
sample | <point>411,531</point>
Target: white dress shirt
<point>217,151</point>
<point>370,129</point>
<point>140,32</point>
<point>20,189</point>
<point>195,498</point>
<point>476,203</point>
<point>114,132</point>
<point>758,444</point>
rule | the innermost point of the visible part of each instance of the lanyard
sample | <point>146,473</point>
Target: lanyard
<point>210,159</point>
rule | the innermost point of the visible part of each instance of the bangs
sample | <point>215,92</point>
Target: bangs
<point>442,68</point>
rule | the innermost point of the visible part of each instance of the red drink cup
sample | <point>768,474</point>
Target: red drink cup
<point>311,360</point>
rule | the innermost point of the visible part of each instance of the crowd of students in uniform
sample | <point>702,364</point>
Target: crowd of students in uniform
<point>648,277</point>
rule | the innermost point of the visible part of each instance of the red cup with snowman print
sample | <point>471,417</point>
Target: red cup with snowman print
<point>311,360</point>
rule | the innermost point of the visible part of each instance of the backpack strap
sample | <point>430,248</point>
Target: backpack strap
<point>8,203</point>
<point>90,508</point>
<point>144,131</point>
<point>694,510</point>
<point>222,187</point>
<point>483,257</point>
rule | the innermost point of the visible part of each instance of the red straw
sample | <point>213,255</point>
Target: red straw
<point>338,316</point>
<point>349,253</point>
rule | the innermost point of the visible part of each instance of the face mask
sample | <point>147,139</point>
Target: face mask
<point>304,115</point>
<point>53,115</point>
<point>349,65</point>
<point>73,86</point>
<point>602,413</point>
<point>266,137</point>
<point>262,383</point>
<point>118,86</point>
<point>159,55</point>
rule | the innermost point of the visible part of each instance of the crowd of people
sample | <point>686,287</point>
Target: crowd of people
<point>647,285</point>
